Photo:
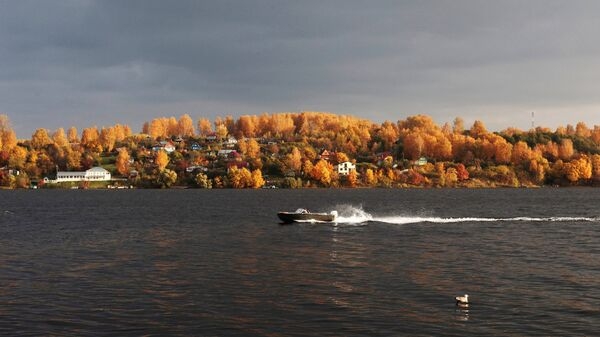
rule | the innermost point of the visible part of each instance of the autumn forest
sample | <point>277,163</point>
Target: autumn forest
<point>307,149</point>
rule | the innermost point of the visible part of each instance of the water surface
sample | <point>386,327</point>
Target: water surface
<point>218,263</point>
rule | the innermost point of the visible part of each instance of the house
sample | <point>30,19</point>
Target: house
<point>230,142</point>
<point>165,146</point>
<point>345,168</point>
<point>93,174</point>
<point>326,155</point>
<point>225,153</point>
<point>196,147</point>
<point>211,137</point>
<point>420,162</point>
<point>196,167</point>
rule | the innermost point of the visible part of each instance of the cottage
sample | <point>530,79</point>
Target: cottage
<point>345,168</point>
<point>211,137</point>
<point>165,146</point>
<point>225,153</point>
<point>230,142</point>
<point>326,155</point>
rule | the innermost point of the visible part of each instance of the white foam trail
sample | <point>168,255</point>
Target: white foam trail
<point>407,219</point>
<point>355,215</point>
<point>350,214</point>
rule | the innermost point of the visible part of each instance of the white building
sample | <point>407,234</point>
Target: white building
<point>345,168</point>
<point>93,174</point>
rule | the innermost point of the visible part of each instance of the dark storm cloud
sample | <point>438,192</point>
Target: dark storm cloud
<point>101,62</point>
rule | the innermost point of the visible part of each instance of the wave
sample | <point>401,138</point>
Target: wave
<point>356,215</point>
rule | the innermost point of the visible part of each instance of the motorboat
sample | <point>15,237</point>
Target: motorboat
<point>304,215</point>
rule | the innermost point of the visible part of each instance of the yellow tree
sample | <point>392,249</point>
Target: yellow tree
<point>204,127</point>
<point>108,138</point>
<point>293,160</point>
<point>578,169</point>
<point>161,160</point>
<point>565,149</point>
<point>186,126</point>
<point>478,129</point>
<point>59,138</point>
<point>253,149</point>
<point>123,162</point>
<point>323,172</point>
<point>521,153</point>
<point>246,126</point>
<point>341,157</point>
<point>72,135</point>
<point>440,170</point>
<point>172,127</point>
<point>458,126</point>
<point>40,139</point>
<point>8,138</point>
<point>73,158</point>
<point>221,131</point>
<point>18,157</point>
<point>257,179</point>
<point>90,137</point>
<point>370,179</point>
<point>596,166</point>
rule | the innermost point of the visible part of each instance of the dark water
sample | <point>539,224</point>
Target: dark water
<point>217,263</point>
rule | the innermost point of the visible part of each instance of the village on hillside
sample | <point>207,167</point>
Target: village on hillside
<point>299,150</point>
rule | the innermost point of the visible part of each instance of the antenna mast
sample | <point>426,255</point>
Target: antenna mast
<point>532,119</point>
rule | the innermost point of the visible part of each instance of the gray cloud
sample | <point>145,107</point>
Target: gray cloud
<point>93,62</point>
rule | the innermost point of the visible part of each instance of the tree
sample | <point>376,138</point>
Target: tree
<point>565,149</point>
<point>370,179</point>
<point>40,139</point>
<point>123,162</point>
<point>293,160</point>
<point>186,126</point>
<point>257,179</point>
<point>8,138</point>
<point>108,138</point>
<point>221,131</point>
<point>167,178</point>
<point>161,160</point>
<point>240,178</point>
<point>204,127</point>
<point>596,167</point>
<point>59,138</point>
<point>18,157</point>
<point>478,129</point>
<point>202,181</point>
<point>90,137</point>
<point>458,126</point>
<point>461,172</point>
<point>72,135</point>
<point>246,126</point>
<point>352,178</point>
<point>323,172</point>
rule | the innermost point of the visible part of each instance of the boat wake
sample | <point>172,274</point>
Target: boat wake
<point>356,215</point>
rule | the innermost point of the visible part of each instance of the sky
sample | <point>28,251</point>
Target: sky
<point>89,63</point>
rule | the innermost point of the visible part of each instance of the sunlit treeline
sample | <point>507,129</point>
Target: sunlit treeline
<point>288,147</point>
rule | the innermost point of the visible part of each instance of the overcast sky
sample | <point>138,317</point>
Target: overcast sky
<point>84,62</point>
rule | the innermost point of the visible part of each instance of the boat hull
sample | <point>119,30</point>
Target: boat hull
<point>288,217</point>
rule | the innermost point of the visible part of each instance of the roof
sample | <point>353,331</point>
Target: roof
<point>97,169</point>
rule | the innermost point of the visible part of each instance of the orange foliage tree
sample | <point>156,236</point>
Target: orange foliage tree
<point>161,159</point>
<point>122,162</point>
